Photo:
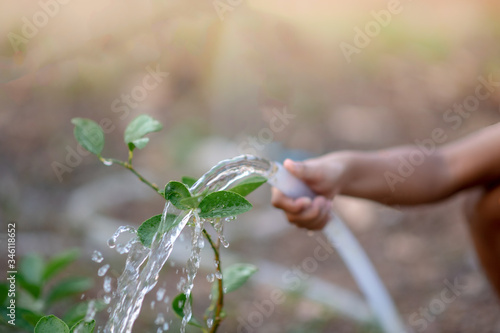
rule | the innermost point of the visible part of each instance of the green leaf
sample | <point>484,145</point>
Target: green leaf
<point>83,327</point>
<point>178,306</point>
<point>139,127</point>
<point>223,204</point>
<point>148,228</point>
<point>89,135</point>
<point>236,275</point>
<point>175,192</point>
<point>192,202</point>
<point>69,287</point>
<point>30,274</point>
<point>248,186</point>
<point>59,262</point>
<point>188,181</point>
<point>51,324</point>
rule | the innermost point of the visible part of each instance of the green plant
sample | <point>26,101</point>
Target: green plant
<point>214,205</point>
<point>39,290</point>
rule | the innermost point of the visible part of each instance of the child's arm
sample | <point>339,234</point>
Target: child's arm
<point>401,175</point>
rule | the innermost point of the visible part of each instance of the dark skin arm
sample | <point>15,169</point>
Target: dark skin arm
<point>472,161</point>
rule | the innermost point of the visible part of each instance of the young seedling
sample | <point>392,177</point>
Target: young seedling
<point>212,206</point>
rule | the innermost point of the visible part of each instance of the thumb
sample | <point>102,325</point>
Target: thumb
<point>300,170</point>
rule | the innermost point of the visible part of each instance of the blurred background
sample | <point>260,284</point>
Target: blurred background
<point>274,78</point>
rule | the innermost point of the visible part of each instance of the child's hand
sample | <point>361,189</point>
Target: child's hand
<point>323,176</point>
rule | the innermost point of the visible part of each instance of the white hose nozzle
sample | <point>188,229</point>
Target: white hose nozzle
<point>287,183</point>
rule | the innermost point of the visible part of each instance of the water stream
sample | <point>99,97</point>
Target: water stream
<point>143,265</point>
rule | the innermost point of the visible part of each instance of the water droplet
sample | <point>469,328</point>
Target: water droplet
<point>210,322</point>
<point>83,296</point>
<point>122,248</point>
<point>218,275</point>
<point>181,284</point>
<point>107,162</point>
<point>201,243</point>
<point>160,319</point>
<point>166,300</point>
<point>153,305</point>
<point>107,284</point>
<point>165,327</point>
<point>112,242</point>
<point>91,311</point>
<point>97,256</point>
<point>107,299</point>
<point>210,278</point>
<point>103,270</point>
<point>160,294</point>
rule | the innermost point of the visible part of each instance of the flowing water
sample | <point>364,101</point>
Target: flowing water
<point>143,265</point>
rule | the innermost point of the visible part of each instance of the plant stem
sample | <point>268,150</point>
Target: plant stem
<point>220,297</point>
<point>130,156</point>
<point>215,247</point>
<point>129,166</point>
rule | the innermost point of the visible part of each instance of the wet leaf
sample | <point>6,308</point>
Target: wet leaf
<point>223,204</point>
<point>148,228</point>
<point>175,192</point>
<point>178,306</point>
<point>192,202</point>
<point>248,186</point>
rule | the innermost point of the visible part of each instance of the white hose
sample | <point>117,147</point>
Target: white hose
<point>351,253</point>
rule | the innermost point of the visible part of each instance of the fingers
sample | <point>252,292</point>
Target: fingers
<point>313,217</point>
<point>303,212</point>
<point>299,169</point>
<point>281,201</point>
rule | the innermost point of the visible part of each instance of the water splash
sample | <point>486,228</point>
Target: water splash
<point>193,265</point>
<point>160,294</point>
<point>219,229</point>
<point>97,257</point>
<point>143,265</point>
<point>103,270</point>
<point>107,284</point>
